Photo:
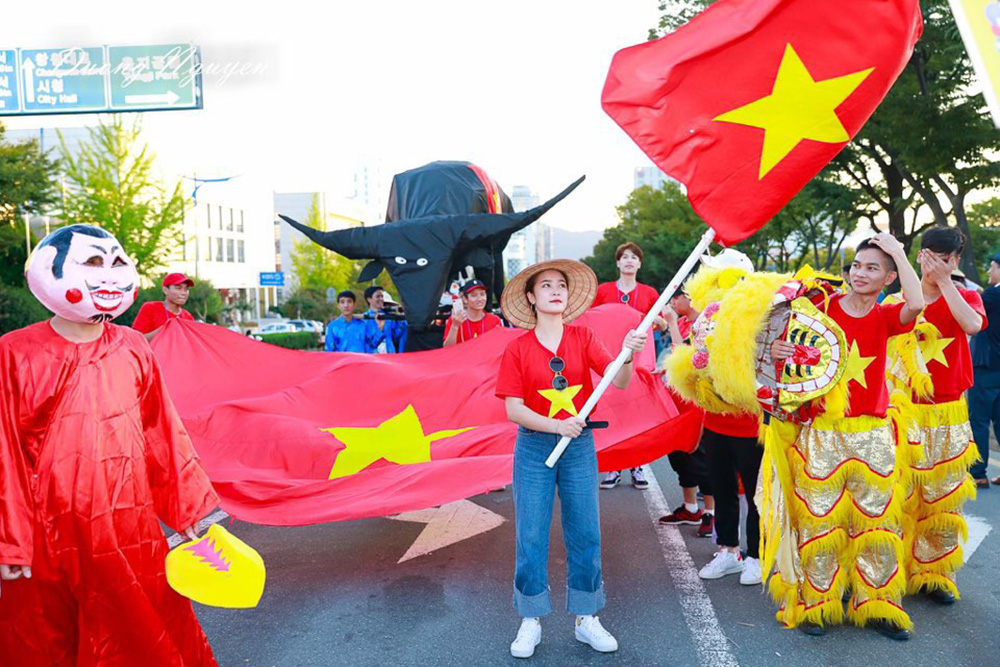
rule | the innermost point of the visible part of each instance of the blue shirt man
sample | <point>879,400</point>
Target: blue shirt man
<point>394,331</point>
<point>984,396</point>
<point>348,333</point>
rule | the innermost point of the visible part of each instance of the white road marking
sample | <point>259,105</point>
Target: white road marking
<point>215,517</point>
<point>710,642</point>
<point>979,528</point>
<point>447,525</point>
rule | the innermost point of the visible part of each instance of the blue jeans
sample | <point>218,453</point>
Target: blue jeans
<point>534,493</point>
<point>984,407</point>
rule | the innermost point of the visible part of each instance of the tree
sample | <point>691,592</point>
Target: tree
<point>111,184</point>
<point>984,228</point>
<point>19,308</point>
<point>27,177</point>
<point>314,267</point>
<point>309,304</point>
<point>27,186</point>
<point>662,223</point>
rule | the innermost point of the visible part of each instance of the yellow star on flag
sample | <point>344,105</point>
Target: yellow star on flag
<point>561,400</point>
<point>399,439</point>
<point>798,108</point>
<point>932,349</point>
<point>856,366</point>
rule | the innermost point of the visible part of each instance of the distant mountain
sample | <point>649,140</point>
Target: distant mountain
<point>574,245</point>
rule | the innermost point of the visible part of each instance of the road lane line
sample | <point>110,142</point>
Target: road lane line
<point>215,517</point>
<point>710,642</point>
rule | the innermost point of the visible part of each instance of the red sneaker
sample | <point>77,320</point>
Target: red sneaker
<point>682,516</point>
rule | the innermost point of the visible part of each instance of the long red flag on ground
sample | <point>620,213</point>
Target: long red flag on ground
<point>294,438</point>
<point>752,98</point>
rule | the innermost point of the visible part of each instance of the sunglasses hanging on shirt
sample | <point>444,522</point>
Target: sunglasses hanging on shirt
<point>557,366</point>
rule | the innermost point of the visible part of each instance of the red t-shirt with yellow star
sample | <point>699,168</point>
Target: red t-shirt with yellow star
<point>948,359</point>
<point>867,340</point>
<point>525,372</point>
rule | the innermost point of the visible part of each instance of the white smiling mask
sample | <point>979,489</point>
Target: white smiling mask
<point>81,273</point>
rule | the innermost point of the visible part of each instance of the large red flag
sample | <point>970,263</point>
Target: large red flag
<point>293,438</point>
<point>752,98</point>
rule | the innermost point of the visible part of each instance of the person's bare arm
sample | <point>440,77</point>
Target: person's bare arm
<point>934,268</point>
<point>908,280</point>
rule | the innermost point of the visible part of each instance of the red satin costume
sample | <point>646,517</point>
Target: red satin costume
<point>92,454</point>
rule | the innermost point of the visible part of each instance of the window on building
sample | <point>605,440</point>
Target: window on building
<point>208,214</point>
<point>239,224</point>
<point>230,250</point>
<point>220,250</point>
<point>229,225</point>
<point>240,253</point>
<point>219,217</point>
<point>208,254</point>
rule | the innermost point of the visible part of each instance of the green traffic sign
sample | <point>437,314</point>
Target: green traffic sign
<point>154,77</point>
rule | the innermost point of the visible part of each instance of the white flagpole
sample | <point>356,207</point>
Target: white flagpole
<point>612,371</point>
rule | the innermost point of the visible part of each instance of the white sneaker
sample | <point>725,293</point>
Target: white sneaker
<point>590,631</point>
<point>529,635</point>
<point>610,480</point>
<point>751,572</point>
<point>723,562</point>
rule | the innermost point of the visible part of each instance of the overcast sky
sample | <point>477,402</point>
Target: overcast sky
<point>513,86</point>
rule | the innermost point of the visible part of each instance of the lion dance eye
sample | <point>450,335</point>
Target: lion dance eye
<point>400,260</point>
<point>422,261</point>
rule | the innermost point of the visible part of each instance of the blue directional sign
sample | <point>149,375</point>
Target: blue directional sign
<point>60,80</point>
<point>153,77</point>
<point>272,278</point>
<point>10,100</point>
<point>99,79</point>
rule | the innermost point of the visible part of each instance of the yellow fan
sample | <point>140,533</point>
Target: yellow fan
<point>218,570</point>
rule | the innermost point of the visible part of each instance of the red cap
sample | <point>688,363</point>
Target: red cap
<point>177,279</point>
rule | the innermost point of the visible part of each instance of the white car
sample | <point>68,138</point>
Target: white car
<point>277,327</point>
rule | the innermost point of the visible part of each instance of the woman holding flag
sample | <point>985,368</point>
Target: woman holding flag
<point>545,378</point>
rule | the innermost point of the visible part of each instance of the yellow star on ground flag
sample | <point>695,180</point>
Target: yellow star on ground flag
<point>399,439</point>
<point>856,366</point>
<point>932,349</point>
<point>798,108</point>
<point>561,400</point>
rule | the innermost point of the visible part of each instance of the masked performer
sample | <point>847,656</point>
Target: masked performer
<point>92,456</point>
<point>936,371</point>
<point>545,378</point>
<point>845,506</point>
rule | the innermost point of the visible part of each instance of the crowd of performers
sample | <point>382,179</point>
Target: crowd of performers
<point>840,414</point>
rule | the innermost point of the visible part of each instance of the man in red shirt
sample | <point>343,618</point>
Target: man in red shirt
<point>629,291</point>
<point>941,443</point>
<point>471,320</point>
<point>154,314</point>
<point>845,510</point>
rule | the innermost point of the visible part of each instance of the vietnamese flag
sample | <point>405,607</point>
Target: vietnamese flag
<point>294,438</point>
<point>752,98</point>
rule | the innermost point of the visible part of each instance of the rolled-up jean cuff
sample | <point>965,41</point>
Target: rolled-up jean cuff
<point>582,603</point>
<point>531,606</point>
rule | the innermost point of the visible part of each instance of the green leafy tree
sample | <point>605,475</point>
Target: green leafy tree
<point>111,183</point>
<point>314,267</point>
<point>662,223</point>
<point>19,308</point>
<point>309,305</point>
<point>27,177</point>
<point>27,186</point>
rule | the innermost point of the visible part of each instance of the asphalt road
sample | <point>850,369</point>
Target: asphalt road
<point>336,595</point>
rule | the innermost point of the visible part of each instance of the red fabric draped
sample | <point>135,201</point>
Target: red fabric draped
<point>255,413</point>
